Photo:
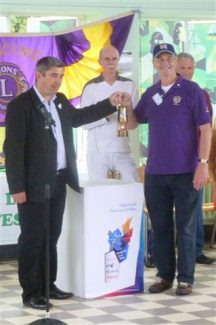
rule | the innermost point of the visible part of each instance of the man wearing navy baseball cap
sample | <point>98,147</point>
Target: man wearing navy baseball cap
<point>177,167</point>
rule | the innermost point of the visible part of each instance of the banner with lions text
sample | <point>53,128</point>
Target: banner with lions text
<point>78,49</point>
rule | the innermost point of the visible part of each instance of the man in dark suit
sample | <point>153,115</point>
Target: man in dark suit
<point>40,161</point>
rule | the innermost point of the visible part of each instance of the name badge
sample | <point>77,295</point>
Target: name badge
<point>157,99</point>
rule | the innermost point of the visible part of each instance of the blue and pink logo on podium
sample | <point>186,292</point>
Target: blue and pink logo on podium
<point>119,247</point>
<point>119,244</point>
<point>119,240</point>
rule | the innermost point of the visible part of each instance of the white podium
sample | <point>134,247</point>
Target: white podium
<point>99,247</point>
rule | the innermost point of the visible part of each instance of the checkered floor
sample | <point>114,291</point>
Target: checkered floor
<point>197,309</point>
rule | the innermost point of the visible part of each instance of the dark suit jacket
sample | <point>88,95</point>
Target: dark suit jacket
<point>30,149</point>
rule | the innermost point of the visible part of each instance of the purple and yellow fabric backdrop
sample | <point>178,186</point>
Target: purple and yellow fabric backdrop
<point>78,49</point>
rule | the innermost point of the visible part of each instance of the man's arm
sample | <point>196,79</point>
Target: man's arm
<point>92,113</point>
<point>14,145</point>
<point>201,172</point>
<point>209,104</point>
<point>134,95</point>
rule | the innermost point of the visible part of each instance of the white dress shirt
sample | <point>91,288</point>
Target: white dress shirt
<point>57,130</point>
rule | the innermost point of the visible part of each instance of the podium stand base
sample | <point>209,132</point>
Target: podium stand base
<point>48,321</point>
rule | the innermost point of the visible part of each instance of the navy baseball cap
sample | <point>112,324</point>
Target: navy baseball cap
<point>161,48</point>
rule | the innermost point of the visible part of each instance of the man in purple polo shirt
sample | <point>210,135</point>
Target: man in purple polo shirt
<point>176,168</point>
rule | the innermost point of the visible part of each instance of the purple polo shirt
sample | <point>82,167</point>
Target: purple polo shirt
<point>173,120</point>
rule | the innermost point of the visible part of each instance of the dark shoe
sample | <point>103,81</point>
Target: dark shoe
<point>56,293</point>
<point>160,285</point>
<point>149,262</point>
<point>202,259</point>
<point>37,302</point>
<point>183,289</point>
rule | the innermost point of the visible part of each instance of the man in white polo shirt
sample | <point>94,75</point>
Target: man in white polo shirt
<point>106,152</point>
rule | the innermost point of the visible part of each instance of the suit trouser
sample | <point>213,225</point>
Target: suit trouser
<point>31,242</point>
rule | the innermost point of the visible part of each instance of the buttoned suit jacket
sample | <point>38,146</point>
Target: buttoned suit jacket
<point>31,149</point>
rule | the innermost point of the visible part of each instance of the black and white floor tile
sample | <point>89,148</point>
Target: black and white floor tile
<point>199,308</point>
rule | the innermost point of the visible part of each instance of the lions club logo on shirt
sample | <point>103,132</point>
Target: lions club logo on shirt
<point>12,83</point>
<point>177,100</point>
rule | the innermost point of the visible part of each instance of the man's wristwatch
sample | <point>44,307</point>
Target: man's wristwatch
<point>203,161</point>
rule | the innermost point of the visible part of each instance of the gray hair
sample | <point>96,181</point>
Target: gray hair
<point>184,55</point>
<point>47,63</point>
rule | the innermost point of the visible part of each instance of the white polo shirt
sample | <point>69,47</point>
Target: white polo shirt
<point>102,135</point>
